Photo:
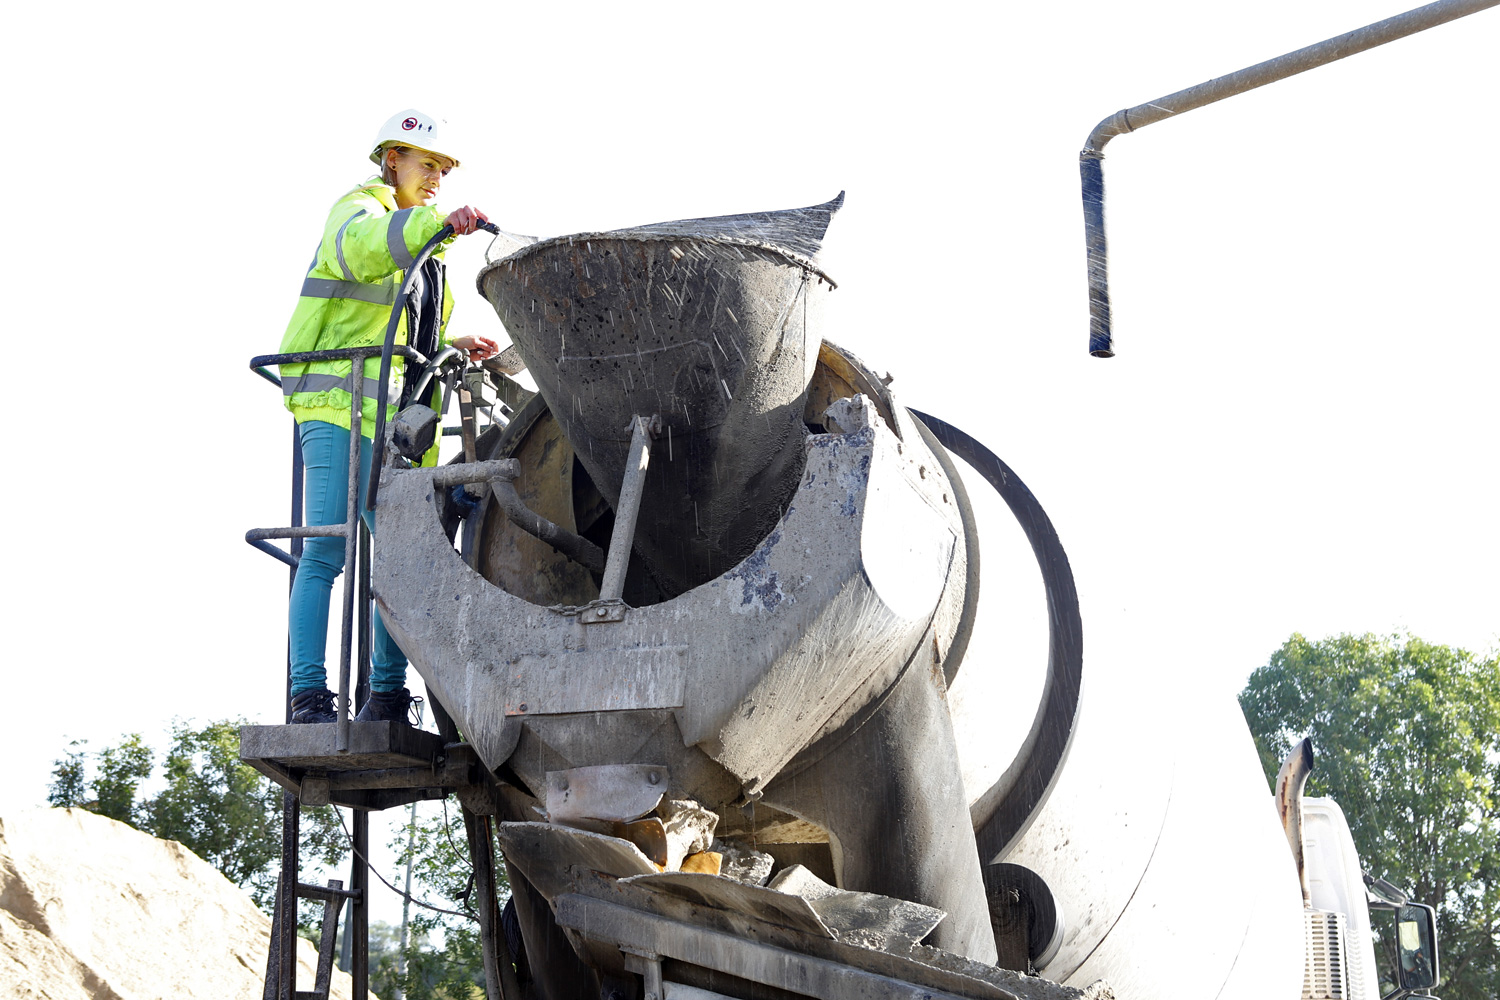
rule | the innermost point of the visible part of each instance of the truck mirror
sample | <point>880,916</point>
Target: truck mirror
<point>1416,943</point>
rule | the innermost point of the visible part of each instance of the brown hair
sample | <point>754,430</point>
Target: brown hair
<point>385,164</point>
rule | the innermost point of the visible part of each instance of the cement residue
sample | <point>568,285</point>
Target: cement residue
<point>1023,986</point>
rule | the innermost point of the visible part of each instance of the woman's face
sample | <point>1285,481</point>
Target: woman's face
<point>418,175</point>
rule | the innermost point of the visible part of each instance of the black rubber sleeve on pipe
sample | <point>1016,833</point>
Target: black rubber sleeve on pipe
<point>1091,167</point>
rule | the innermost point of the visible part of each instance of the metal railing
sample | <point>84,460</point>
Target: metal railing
<point>281,963</point>
<point>349,531</point>
<point>281,960</point>
<point>355,640</point>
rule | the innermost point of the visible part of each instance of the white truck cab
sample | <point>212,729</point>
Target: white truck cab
<point>1338,897</point>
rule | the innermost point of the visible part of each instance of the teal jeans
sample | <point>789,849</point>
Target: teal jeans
<point>325,456</point>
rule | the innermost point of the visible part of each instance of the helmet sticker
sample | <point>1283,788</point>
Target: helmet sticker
<point>409,124</point>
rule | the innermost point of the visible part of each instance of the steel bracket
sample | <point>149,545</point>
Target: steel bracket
<point>647,965</point>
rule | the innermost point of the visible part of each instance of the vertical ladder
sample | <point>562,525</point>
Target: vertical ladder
<point>281,962</point>
<point>393,758</point>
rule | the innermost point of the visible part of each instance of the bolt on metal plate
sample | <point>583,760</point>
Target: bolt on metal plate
<point>617,793</point>
<point>594,614</point>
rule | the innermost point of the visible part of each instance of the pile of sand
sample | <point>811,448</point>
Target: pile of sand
<point>91,909</point>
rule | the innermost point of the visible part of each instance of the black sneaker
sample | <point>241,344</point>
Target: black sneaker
<point>314,706</point>
<point>391,706</point>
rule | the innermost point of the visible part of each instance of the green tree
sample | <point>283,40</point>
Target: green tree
<point>224,811</point>
<point>437,847</point>
<point>385,943</point>
<point>70,780</point>
<point>1407,737</point>
<point>119,771</point>
<point>426,971</point>
<point>122,768</point>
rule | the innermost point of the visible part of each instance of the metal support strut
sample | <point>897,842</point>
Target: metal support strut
<point>629,507</point>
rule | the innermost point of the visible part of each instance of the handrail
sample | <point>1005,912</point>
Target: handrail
<point>349,530</point>
<point>256,537</point>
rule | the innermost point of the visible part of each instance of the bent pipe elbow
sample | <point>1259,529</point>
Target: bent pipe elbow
<point>1210,92</point>
<point>430,370</point>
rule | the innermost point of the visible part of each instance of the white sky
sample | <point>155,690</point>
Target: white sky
<point>1298,433</point>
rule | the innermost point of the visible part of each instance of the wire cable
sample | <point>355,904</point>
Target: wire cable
<point>404,895</point>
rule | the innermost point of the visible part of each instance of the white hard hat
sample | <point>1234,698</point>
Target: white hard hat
<point>412,128</point>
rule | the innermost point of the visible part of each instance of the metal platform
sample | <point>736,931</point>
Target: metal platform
<point>387,764</point>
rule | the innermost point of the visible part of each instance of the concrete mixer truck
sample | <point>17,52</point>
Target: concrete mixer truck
<point>703,622</point>
<point>766,682</point>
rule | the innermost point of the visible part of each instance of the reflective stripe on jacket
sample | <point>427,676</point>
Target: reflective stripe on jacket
<point>346,302</point>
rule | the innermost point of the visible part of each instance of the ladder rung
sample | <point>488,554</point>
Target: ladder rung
<point>306,531</point>
<point>323,892</point>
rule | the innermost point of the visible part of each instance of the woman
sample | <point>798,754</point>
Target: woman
<point>371,237</point>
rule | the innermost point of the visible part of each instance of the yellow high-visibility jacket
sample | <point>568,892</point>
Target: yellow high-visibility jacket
<point>346,302</point>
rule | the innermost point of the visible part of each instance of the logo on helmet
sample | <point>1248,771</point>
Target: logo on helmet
<point>409,124</point>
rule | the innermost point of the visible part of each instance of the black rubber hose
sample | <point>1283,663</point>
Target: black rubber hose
<point>430,370</point>
<point>376,460</point>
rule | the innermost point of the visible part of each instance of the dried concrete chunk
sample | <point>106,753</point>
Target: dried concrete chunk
<point>544,852</point>
<point>689,827</point>
<point>798,881</point>
<point>716,892</point>
<point>743,864</point>
<point>862,918</point>
<point>849,415</point>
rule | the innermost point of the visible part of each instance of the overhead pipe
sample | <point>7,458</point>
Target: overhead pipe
<point>1091,159</point>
